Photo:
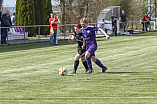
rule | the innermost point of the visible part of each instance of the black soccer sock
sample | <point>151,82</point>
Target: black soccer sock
<point>85,65</point>
<point>76,63</point>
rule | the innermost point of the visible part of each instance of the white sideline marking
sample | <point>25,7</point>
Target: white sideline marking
<point>96,97</point>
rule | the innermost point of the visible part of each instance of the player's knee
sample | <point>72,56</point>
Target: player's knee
<point>83,59</point>
<point>86,56</point>
<point>94,59</point>
<point>77,57</point>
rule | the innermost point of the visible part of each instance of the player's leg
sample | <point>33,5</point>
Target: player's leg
<point>76,63</point>
<point>98,62</point>
<point>84,64</point>
<point>88,60</point>
<point>90,52</point>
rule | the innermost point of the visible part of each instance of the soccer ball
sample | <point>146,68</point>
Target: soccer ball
<point>63,71</point>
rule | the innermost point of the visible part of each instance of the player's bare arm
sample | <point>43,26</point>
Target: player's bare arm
<point>83,46</point>
<point>107,36</point>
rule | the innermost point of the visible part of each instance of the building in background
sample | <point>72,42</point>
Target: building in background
<point>8,5</point>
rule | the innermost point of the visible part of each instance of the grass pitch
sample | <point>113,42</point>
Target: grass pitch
<point>29,73</point>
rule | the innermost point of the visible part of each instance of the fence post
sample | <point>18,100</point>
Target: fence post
<point>64,31</point>
<point>39,33</point>
<point>144,26</point>
<point>139,25</point>
<point>154,25</point>
<point>132,24</point>
<point>24,34</point>
<point>7,37</point>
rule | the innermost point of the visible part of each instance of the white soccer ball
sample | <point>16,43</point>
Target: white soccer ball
<point>63,71</point>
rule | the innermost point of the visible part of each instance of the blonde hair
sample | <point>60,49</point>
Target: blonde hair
<point>84,20</point>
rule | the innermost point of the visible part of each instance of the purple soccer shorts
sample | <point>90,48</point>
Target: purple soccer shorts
<point>91,48</point>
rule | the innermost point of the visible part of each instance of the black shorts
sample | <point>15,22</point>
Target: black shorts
<point>81,51</point>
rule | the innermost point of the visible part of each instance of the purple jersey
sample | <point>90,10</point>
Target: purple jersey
<point>89,34</point>
<point>90,38</point>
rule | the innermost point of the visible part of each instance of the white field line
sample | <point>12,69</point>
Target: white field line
<point>61,97</point>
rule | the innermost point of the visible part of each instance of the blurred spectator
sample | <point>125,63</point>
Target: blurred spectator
<point>13,19</point>
<point>54,21</point>
<point>102,23</point>
<point>123,19</point>
<point>4,23</point>
<point>0,15</point>
<point>9,19</point>
<point>144,22</point>
<point>148,19</point>
<point>114,24</point>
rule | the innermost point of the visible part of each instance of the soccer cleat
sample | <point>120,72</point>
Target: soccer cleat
<point>86,70</point>
<point>90,71</point>
<point>73,72</point>
<point>104,70</point>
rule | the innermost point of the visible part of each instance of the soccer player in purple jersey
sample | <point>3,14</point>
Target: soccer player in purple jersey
<point>91,44</point>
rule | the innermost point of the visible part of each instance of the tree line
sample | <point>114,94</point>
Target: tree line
<point>74,10</point>
<point>36,12</point>
<point>33,12</point>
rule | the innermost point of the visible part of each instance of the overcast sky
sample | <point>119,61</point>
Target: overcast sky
<point>11,3</point>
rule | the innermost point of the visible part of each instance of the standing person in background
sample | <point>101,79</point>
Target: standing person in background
<point>0,16</point>
<point>102,23</point>
<point>91,44</point>
<point>4,23</point>
<point>144,22</point>
<point>13,19</point>
<point>123,19</point>
<point>114,24</point>
<point>54,21</point>
<point>148,19</point>
<point>9,19</point>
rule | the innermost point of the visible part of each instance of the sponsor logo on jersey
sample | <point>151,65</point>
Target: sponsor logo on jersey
<point>88,31</point>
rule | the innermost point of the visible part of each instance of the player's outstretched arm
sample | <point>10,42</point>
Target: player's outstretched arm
<point>107,36</point>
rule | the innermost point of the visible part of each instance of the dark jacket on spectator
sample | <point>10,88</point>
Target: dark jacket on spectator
<point>4,23</point>
<point>0,15</point>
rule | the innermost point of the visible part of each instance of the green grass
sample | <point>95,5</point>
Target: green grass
<point>29,73</point>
